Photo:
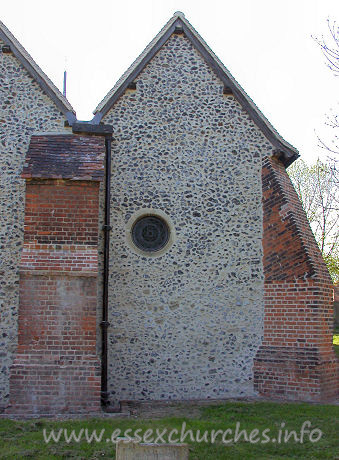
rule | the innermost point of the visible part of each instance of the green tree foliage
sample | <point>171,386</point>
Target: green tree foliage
<point>317,188</point>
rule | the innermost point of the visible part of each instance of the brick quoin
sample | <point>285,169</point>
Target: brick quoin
<point>296,360</point>
<point>56,369</point>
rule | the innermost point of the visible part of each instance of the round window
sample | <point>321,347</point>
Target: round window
<point>150,233</point>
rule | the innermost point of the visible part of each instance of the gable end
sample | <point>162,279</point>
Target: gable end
<point>179,25</point>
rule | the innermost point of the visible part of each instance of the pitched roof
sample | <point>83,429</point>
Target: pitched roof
<point>65,156</point>
<point>285,151</point>
<point>36,73</point>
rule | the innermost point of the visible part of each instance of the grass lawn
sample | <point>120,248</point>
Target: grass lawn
<point>24,439</point>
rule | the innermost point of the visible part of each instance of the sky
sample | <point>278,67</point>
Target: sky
<point>267,45</point>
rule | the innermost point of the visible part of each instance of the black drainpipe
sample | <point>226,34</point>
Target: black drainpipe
<point>103,130</point>
<point>106,228</point>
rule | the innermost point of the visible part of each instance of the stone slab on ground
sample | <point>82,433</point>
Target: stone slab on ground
<point>135,451</point>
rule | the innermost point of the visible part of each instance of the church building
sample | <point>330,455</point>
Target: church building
<point>158,251</point>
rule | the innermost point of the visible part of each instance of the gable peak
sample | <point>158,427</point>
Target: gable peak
<point>179,14</point>
<point>284,150</point>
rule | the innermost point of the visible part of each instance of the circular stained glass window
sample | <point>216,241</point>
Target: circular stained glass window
<point>150,233</point>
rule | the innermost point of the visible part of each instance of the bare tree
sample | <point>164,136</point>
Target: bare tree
<point>332,146</point>
<point>330,49</point>
<point>317,188</point>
